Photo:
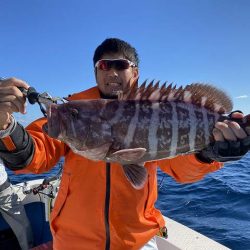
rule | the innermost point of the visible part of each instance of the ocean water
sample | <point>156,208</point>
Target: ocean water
<point>218,206</point>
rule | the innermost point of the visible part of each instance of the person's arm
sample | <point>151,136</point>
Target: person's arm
<point>16,146</point>
<point>24,148</point>
<point>47,151</point>
<point>30,149</point>
<point>187,168</point>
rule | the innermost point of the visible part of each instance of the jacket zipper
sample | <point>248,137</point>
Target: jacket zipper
<point>106,211</point>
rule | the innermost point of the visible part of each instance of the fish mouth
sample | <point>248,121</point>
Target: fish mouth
<point>54,122</point>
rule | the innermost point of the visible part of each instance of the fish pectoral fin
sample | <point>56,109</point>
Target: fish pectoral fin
<point>136,175</point>
<point>127,155</point>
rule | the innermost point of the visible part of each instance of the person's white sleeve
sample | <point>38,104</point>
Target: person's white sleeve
<point>8,131</point>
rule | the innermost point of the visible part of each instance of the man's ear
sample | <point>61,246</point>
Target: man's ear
<point>135,72</point>
<point>95,72</point>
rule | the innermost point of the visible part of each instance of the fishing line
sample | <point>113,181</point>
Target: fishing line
<point>161,183</point>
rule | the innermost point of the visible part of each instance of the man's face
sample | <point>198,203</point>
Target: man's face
<point>113,80</point>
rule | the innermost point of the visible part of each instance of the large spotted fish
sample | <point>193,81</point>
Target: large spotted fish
<point>144,124</point>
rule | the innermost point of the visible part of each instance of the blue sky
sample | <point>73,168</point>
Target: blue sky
<point>50,43</point>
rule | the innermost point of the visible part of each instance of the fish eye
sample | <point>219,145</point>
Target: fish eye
<point>74,113</point>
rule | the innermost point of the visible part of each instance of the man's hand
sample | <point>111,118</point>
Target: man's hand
<point>231,141</point>
<point>230,130</point>
<point>11,100</point>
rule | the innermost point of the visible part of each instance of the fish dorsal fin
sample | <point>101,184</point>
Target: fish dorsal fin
<point>208,96</point>
<point>200,94</point>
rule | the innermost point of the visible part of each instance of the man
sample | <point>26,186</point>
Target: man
<point>13,211</point>
<point>96,208</point>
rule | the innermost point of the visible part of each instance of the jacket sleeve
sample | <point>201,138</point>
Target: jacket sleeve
<point>47,151</point>
<point>16,146</point>
<point>187,168</point>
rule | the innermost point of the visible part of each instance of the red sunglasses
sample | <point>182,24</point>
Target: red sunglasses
<point>118,64</point>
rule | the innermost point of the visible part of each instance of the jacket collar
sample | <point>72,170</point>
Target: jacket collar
<point>92,93</point>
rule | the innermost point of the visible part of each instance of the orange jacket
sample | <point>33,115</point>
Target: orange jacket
<point>94,205</point>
